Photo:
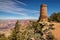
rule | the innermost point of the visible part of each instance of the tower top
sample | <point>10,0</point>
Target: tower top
<point>43,5</point>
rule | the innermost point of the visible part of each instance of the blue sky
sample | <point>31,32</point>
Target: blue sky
<point>26,9</point>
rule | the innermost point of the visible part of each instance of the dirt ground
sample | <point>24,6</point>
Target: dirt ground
<point>56,31</point>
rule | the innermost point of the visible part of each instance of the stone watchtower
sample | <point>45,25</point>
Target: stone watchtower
<point>43,13</point>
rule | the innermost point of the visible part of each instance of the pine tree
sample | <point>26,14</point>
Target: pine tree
<point>15,32</point>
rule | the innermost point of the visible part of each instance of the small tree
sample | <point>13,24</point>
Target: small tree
<point>55,17</point>
<point>15,32</point>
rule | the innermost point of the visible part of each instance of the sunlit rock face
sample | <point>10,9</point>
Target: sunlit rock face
<point>10,24</point>
<point>56,32</point>
<point>7,24</point>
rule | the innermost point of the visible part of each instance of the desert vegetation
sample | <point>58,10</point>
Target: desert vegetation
<point>55,17</point>
<point>35,31</point>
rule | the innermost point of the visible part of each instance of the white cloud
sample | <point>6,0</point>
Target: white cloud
<point>20,2</point>
<point>9,6</point>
